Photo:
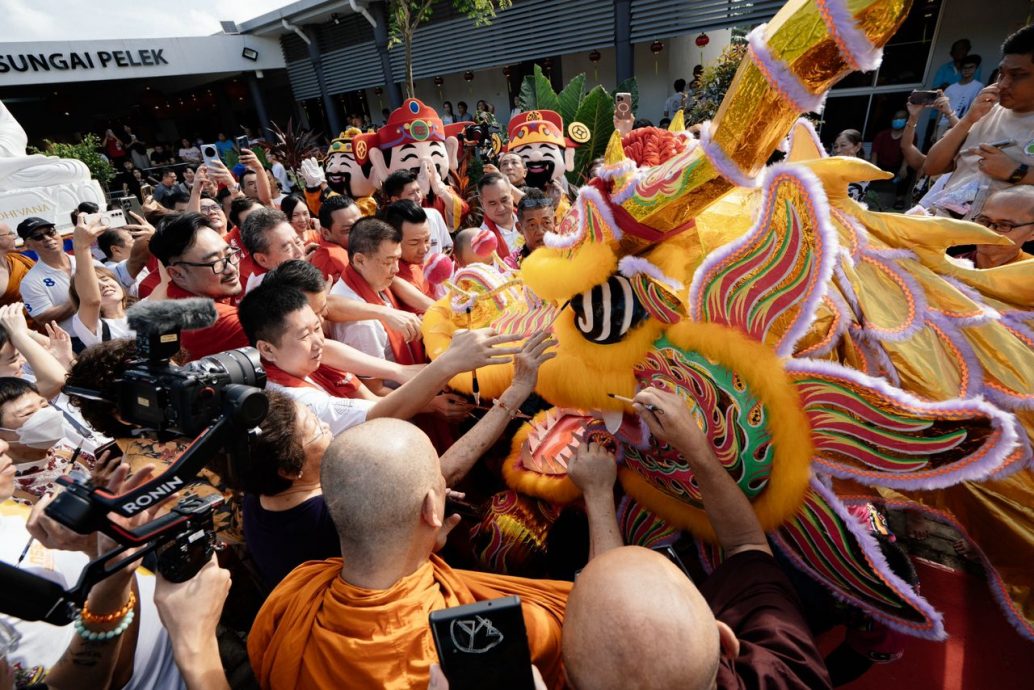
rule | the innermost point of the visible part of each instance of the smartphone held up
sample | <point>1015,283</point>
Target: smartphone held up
<point>484,645</point>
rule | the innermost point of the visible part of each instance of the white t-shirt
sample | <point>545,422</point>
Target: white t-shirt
<point>961,97</point>
<point>966,181</point>
<point>513,237</point>
<point>42,644</point>
<point>44,287</point>
<point>368,335</point>
<point>441,240</point>
<point>674,103</point>
<point>118,328</point>
<point>338,413</point>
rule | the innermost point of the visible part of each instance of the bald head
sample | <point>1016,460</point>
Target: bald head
<point>375,478</point>
<point>634,620</point>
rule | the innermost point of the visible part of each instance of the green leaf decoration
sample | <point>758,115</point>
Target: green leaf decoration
<point>631,86</point>
<point>596,111</point>
<point>528,98</point>
<point>569,99</point>
<point>545,96</point>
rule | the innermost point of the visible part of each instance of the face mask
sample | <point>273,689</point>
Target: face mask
<point>44,428</point>
<point>898,124</point>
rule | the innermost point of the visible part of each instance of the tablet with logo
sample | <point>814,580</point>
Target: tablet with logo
<point>483,645</point>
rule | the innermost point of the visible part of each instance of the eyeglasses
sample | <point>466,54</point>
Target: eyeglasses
<point>209,209</point>
<point>1000,225</point>
<point>42,234</point>
<point>232,258</point>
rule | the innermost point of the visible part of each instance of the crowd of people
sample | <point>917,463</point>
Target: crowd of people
<point>978,132</point>
<point>336,522</point>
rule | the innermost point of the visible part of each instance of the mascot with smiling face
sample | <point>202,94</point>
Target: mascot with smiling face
<point>341,174</point>
<point>833,356</point>
<point>537,136</point>
<point>415,139</point>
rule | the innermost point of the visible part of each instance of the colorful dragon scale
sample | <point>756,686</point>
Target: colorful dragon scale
<point>810,339</point>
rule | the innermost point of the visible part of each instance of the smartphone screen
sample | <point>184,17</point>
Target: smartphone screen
<point>241,142</point>
<point>483,645</point>
<point>923,97</point>
<point>146,190</point>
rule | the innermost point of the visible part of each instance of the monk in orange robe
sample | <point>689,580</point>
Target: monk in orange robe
<point>13,266</point>
<point>361,621</point>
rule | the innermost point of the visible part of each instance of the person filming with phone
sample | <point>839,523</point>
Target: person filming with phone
<point>992,146</point>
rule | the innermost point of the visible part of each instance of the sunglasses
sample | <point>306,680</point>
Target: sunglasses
<point>38,236</point>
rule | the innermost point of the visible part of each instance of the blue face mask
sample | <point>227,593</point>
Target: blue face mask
<point>898,123</point>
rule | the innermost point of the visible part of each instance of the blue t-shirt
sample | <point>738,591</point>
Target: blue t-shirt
<point>280,541</point>
<point>947,74</point>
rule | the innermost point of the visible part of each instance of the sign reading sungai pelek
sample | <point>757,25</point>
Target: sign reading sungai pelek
<point>100,59</point>
<point>59,62</point>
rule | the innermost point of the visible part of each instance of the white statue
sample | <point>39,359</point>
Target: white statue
<point>19,170</point>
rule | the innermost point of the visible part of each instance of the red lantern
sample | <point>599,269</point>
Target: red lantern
<point>656,47</point>
<point>468,75</point>
<point>547,65</point>
<point>377,90</point>
<point>702,40</point>
<point>594,58</point>
<point>438,81</point>
<point>507,71</point>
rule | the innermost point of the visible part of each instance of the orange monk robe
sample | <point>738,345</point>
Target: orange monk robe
<point>17,266</point>
<point>317,631</point>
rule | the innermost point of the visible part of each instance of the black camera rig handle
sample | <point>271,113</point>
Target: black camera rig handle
<point>31,597</point>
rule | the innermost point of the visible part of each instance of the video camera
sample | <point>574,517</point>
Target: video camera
<point>218,400</point>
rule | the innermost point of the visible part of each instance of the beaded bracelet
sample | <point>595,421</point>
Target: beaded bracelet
<point>94,636</point>
<point>90,617</point>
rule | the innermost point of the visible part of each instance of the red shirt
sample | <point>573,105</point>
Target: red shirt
<point>331,258</point>
<point>225,334</point>
<point>888,152</point>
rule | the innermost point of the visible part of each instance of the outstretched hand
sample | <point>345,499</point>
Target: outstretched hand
<point>535,352</point>
<point>480,348</point>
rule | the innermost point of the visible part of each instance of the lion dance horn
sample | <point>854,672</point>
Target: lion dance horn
<point>791,63</point>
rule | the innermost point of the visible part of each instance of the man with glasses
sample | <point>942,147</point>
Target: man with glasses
<point>201,264</point>
<point>1010,213</point>
<point>44,288</point>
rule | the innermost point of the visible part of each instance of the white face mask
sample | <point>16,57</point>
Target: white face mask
<point>43,428</point>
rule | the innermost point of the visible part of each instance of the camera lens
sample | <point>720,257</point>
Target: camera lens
<point>241,366</point>
<point>210,151</point>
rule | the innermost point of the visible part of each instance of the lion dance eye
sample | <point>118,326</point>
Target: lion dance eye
<point>607,312</point>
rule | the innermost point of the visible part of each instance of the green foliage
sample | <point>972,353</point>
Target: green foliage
<point>537,92</point>
<point>596,111</point>
<point>87,151</point>
<point>569,98</point>
<point>631,86</point>
<point>715,82</point>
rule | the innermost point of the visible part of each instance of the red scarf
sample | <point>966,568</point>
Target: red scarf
<point>502,248</point>
<point>337,383</point>
<point>403,352</point>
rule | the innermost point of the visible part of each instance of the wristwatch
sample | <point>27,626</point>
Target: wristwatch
<point>1019,173</point>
